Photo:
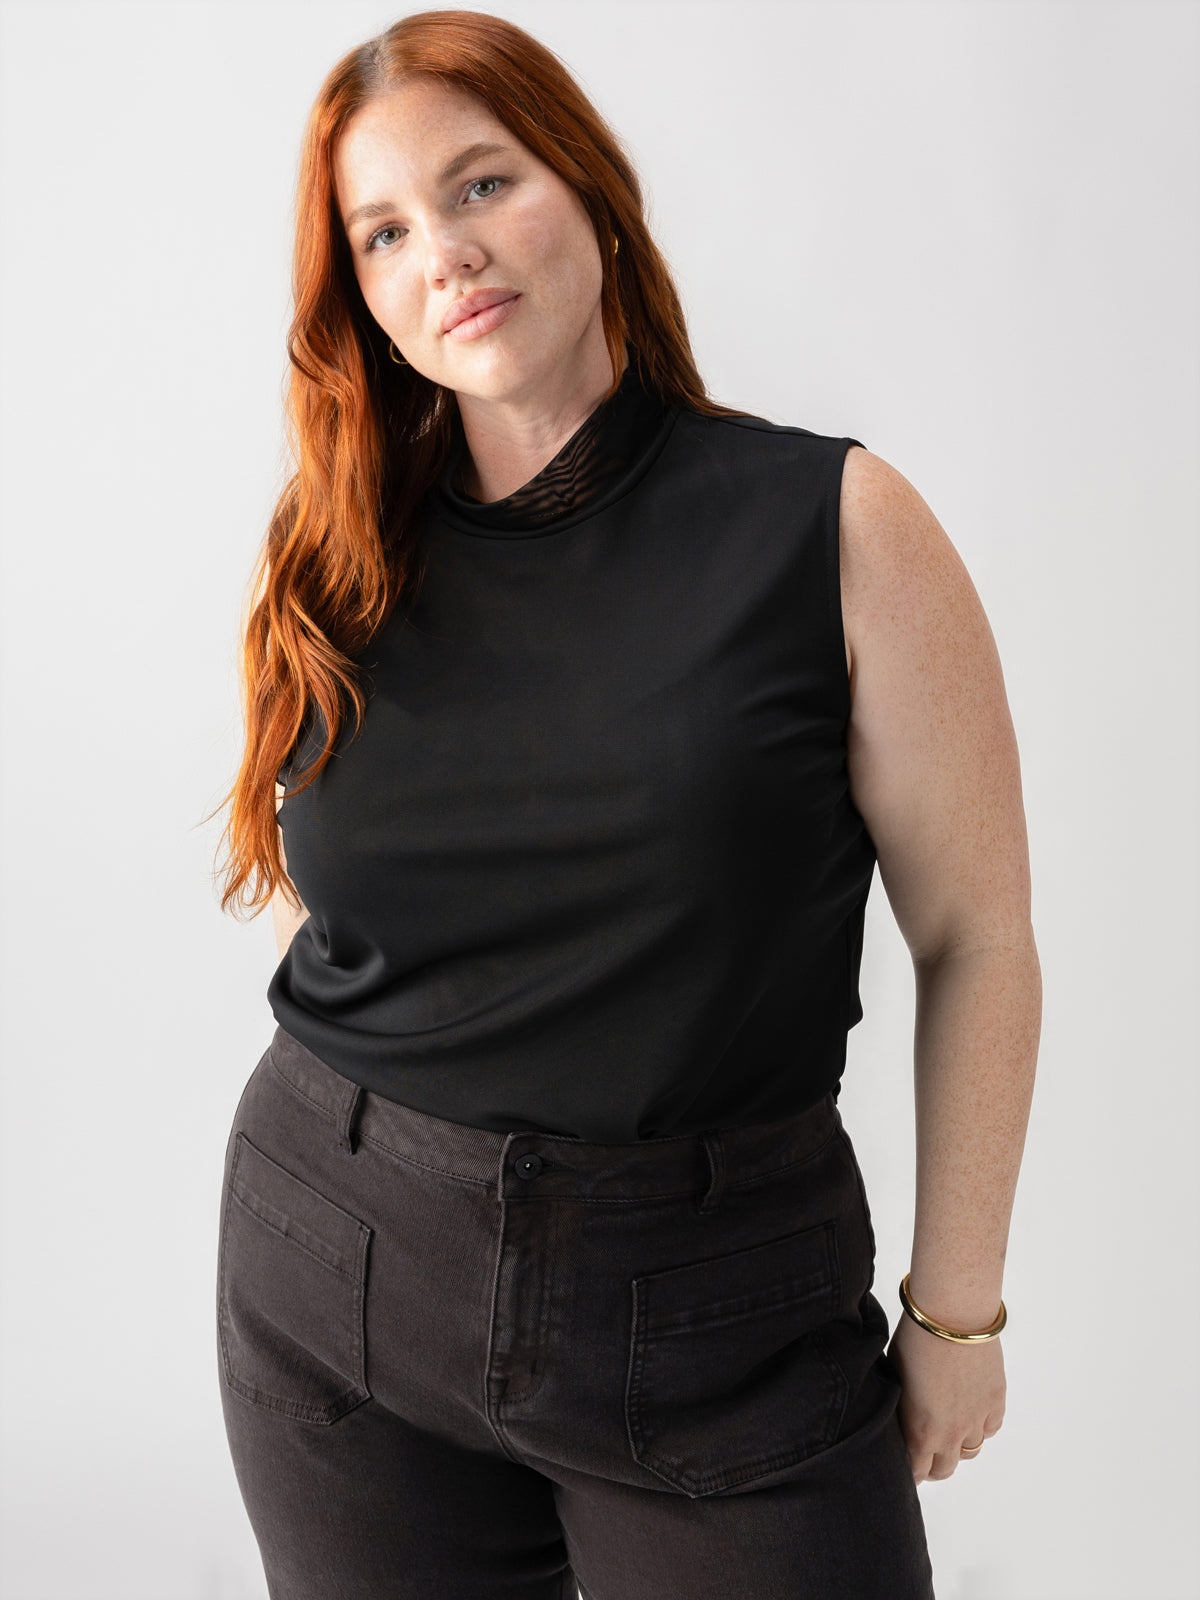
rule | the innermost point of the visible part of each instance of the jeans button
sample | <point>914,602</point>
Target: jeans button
<point>528,1166</point>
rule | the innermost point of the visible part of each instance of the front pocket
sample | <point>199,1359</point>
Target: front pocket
<point>729,1379</point>
<point>291,1282</point>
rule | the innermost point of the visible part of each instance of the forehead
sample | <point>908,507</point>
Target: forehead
<point>404,138</point>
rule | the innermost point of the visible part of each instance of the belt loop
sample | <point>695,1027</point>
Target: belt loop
<point>715,1151</point>
<point>347,1122</point>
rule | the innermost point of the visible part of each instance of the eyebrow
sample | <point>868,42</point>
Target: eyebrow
<point>473,152</point>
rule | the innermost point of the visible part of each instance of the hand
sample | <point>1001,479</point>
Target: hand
<point>952,1396</point>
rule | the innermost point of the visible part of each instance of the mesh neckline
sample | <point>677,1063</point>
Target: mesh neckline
<point>600,452</point>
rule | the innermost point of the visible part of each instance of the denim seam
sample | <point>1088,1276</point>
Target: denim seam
<point>280,1233</point>
<point>425,1166</point>
<point>462,1177</point>
<point>703,1482</point>
<point>697,1484</point>
<point>356,1395</point>
<point>492,1411</point>
<point>680,1194</point>
<point>520,1396</point>
<point>365,1138</point>
<point>324,1110</point>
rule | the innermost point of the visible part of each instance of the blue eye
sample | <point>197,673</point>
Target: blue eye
<point>378,234</point>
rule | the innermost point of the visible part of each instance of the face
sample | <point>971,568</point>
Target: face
<point>430,219</point>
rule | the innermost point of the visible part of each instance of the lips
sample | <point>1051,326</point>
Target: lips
<point>470,305</point>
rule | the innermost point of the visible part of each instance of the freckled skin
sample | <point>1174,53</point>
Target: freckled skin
<point>525,387</point>
<point>934,769</point>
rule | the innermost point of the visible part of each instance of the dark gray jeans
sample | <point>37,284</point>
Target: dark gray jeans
<point>464,1365</point>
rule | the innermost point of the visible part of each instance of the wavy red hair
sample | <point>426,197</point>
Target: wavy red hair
<point>369,437</point>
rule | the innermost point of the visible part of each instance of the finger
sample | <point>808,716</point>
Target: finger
<point>944,1463</point>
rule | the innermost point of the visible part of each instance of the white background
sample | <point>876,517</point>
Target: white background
<point>964,232</point>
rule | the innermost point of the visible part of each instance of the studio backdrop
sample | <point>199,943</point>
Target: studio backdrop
<point>962,231</point>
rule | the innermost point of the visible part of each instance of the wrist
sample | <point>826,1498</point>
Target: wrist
<point>955,1304</point>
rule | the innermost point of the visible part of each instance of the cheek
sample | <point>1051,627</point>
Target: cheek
<point>536,237</point>
<point>390,300</point>
<point>581,269</point>
<point>559,242</point>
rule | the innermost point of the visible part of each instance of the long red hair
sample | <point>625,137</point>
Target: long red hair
<point>369,437</point>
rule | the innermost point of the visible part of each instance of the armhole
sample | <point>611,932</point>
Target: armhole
<point>833,570</point>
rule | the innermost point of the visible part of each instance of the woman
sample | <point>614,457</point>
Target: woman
<point>545,1258</point>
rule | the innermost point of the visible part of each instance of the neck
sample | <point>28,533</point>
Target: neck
<point>509,442</point>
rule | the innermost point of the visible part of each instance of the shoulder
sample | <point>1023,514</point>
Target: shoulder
<point>779,464</point>
<point>875,497</point>
<point>896,558</point>
<point>746,433</point>
<point>880,508</point>
<point>932,756</point>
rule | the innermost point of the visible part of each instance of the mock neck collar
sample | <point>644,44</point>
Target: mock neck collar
<point>601,451</point>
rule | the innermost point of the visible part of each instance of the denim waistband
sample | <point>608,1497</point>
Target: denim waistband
<point>708,1162</point>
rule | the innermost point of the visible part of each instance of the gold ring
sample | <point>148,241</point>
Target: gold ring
<point>970,1449</point>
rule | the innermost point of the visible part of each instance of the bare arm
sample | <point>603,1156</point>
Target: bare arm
<point>285,919</point>
<point>934,770</point>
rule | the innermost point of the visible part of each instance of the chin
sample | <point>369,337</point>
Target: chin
<point>502,375</point>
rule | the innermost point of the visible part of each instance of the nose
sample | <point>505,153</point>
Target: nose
<point>449,254</point>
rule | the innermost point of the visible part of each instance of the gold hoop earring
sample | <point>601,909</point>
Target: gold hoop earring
<point>616,245</point>
<point>399,360</point>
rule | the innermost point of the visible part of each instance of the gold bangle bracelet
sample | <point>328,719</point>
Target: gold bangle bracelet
<point>918,1316</point>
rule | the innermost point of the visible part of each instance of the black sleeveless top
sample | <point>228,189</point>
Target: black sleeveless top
<point>592,866</point>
